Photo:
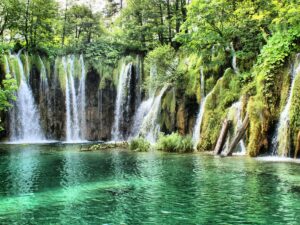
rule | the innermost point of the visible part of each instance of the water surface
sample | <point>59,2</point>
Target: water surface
<point>52,184</point>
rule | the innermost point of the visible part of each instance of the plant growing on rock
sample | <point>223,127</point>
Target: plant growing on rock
<point>139,144</point>
<point>175,143</point>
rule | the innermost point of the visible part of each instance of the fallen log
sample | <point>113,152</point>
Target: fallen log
<point>222,137</point>
<point>239,135</point>
<point>297,150</point>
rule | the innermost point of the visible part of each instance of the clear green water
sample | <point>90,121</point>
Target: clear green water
<point>60,185</point>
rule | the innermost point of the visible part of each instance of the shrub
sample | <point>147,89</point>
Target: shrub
<point>174,143</point>
<point>139,145</point>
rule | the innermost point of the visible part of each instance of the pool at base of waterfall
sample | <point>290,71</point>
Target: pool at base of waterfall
<point>50,184</point>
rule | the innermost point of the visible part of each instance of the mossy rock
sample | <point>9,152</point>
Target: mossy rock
<point>295,112</point>
<point>224,94</point>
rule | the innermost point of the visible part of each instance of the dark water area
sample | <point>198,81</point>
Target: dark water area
<point>59,184</point>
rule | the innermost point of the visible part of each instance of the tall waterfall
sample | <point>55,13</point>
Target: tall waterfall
<point>24,116</point>
<point>122,101</point>
<point>75,100</point>
<point>82,98</point>
<point>197,127</point>
<point>150,127</point>
<point>282,137</point>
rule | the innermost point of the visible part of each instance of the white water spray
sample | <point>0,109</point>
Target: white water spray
<point>282,139</point>
<point>7,68</point>
<point>75,101</point>
<point>197,127</point>
<point>234,63</point>
<point>123,94</point>
<point>25,118</point>
<point>150,127</point>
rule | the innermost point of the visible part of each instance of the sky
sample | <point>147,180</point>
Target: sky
<point>97,5</point>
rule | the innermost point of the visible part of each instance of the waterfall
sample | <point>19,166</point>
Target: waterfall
<point>44,94</point>
<point>24,116</point>
<point>234,64</point>
<point>143,108</point>
<point>197,127</point>
<point>140,114</point>
<point>138,81</point>
<point>237,107</point>
<point>82,99</point>
<point>150,127</point>
<point>282,136</point>
<point>75,101</point>
<point>122,102</point>
<point>44,86</point>
<point>7,69</point>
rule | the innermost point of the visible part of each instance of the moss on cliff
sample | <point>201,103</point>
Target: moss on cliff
<point>295,112</point>
<point>271,74</point>
<point>223,95</point>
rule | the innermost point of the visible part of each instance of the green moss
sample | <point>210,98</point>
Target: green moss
<point>77,67</point>
<point>168,112</point>
<point>295,112</point>
<point>61,72</point>
<point>15,69</point>
<point>259,125</point>
<point>285,79</point>
<point>224,94</point>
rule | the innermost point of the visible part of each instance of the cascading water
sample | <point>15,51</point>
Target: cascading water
<point>150,127</point>
<point>282,136</point>
<point>140,114</point>
<point>24,116</point>
<point>197,127</point>
<point>234,64</point>
<point>82,99</point>
<point>122,101</point>
<point>237,107</point>
<point>7,69</point>
<point>44,85</point>
<point>75,101</point>
<point>143,108</point>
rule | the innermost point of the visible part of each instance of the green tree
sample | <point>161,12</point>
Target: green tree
<point>8,17</point>
<point>7,93</point>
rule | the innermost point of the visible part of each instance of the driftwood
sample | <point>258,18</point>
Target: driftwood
<point>222,137</point>
<point>297,150</point>
<point>239,135</point>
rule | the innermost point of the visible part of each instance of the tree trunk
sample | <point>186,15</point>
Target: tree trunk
<point>169,17</point>
<point>222,137</point>
<point>161,30</point>
<point>297,150</point>
<point>177,16</point>
<point>64,25</point>
<point>239,135</point>
<point>26,23</point>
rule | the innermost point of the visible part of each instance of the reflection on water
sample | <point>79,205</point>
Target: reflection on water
<point>61,185</point>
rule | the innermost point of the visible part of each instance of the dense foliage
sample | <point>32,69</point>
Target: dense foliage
<point>175,143</point>
<point>139,145</point>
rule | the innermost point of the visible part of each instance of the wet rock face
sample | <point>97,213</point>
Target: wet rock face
<point>100,105</point>
<point>51,104</point>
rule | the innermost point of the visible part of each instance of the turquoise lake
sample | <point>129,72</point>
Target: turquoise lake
<point>59,184</point>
